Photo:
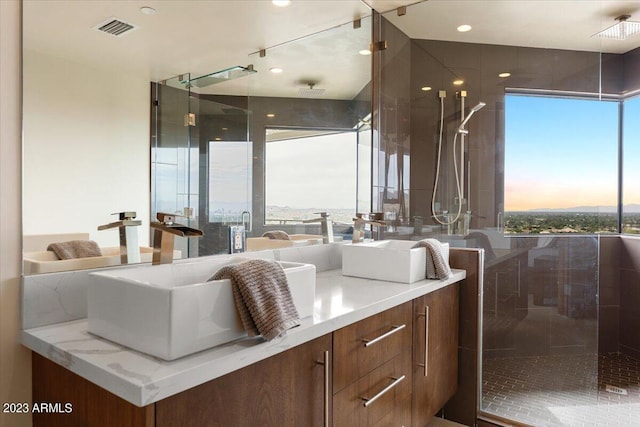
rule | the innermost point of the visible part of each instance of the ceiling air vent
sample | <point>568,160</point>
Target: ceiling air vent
<point>115,27</point>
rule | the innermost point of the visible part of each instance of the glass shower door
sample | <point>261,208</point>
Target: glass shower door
<point>172,156</point>
<point>226,170</point>
<point>540,331</point>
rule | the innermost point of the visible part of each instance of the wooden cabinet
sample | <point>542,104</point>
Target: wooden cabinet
<point>368,374</point>
<point>91,406</point>
<point>287,389</point>
<point>435,352</point>
<point>372,370</point>
<point>292,388</point>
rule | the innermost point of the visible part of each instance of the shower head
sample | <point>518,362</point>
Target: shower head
<point>478,107</point>
<point>620,31</point>
<point>222,76</point>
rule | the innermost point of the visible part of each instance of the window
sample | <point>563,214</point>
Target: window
<point>631,171</point>
<point>310,170</point>
<point>561,165</point>
<point>230,174</point>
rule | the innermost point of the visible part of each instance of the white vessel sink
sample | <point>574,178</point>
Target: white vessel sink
<point>391,260</point>
<point>170,311</point>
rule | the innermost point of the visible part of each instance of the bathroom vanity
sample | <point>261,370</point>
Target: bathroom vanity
<point>372,353</point>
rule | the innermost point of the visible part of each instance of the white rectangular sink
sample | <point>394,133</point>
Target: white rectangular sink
<point>171,310</point>
<point>391,260</point>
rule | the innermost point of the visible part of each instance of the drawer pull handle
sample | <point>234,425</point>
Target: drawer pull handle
<point>425,365</point>
<point>327,375</point>
<point>395,382</point>
<point>393,330</point>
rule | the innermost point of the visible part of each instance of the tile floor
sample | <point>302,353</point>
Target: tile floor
<point>563,390</point>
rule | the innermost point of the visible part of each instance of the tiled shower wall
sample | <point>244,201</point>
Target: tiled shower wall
<point>437,64</point>
<point>611,249</point>
<point>619,295</point>
<point>629,296</point>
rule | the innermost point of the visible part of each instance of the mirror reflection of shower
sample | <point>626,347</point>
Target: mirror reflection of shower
<point>446,218</point>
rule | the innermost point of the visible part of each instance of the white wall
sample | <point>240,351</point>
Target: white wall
<point>86,148</point>
<point>15,360</point>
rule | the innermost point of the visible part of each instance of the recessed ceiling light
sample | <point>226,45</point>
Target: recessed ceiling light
<point>217,138</point>
<point>464,28</point>
<point>147,10</point>
<point>426,88</point>
<point>271,115</point>
<point>365,52</point>
<point>281,3</point>
<point>225,128</point>
<point>458,82</point>
<point>503,75</point>
<point>276,70</point>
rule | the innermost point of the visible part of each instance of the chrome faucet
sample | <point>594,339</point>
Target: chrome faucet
<point>325,225</point>
<point>374,219</point>
<point>164,237</point>
<point>129,250</point>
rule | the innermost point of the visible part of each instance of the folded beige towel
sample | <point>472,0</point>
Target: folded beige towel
<point>262,296</point>
<point>276,235</point>
<point>75,249</point>
<point>437,266</point>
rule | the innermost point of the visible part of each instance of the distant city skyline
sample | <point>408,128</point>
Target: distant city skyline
<point>630,208</point>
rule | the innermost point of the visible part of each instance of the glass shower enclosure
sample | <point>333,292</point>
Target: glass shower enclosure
<point>201,160</point>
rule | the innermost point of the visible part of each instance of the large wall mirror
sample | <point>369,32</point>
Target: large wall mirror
<point>100,138</point>
<point>87,109</point>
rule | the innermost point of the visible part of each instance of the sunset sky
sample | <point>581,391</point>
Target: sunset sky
<point>562,153</point>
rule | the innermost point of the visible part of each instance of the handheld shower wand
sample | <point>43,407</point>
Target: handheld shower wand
<point>478,107</point>
<point>461,130</point>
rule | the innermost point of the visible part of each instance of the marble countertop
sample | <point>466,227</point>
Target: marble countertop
<point>142,379</point>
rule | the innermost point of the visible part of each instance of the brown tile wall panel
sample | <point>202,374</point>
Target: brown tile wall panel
<point>630,253</point>
<point>631,61</point>
<point>630,296</point>
<point>609,329</point>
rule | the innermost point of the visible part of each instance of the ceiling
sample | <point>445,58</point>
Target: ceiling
<point>557,24</point>
<point>182,36</point>
<point>200,37</point>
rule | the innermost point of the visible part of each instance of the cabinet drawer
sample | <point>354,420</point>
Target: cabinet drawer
<point>365,345</point>
<point>389,385</point>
